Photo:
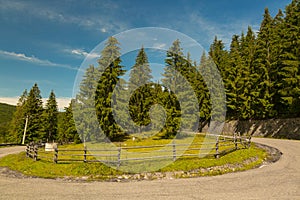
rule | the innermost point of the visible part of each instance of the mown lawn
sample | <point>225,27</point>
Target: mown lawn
<point>95,170</point>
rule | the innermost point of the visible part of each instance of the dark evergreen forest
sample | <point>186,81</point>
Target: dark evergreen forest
<point>260,72</point>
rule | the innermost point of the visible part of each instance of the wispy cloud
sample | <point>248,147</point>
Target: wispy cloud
<point>33,59</point>
<point>159,45</point>
<point>223,31</point>
<point>104,21</point>
<point>82,53</point>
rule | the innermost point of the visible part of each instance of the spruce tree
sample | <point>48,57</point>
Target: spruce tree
<point>18,122</point>
<point>203,92</point>
<point>104,93</point>
<point>248,48</point>
<point>140,103</point>
<point>276,51</point>
<point>234,82</point>
<point>50,118</point>
<point>171,81</point>
<point>182,101</point>
<point>219,55</point>
<point>34,111</point>
<point>289,69</point>
<point>84,105</point>
<point>68,132</point>
<point>264,85</point>
<point>140,73</point>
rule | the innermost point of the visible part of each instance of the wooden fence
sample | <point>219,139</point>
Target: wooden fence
<point>122,155</point>
<point>9,144</point>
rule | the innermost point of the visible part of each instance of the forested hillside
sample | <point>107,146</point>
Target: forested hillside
<point>6,114</point>
<point>261,71</point>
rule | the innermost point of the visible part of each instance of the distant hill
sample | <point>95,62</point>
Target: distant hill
<point>6,114</point>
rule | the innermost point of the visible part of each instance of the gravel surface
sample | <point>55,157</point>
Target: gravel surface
<point>278,180</point>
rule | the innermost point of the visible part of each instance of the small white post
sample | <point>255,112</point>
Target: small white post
<point>25,129</point>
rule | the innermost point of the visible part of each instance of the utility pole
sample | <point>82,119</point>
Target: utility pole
<point>25,129</point>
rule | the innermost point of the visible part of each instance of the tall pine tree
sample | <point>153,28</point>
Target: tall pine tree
<point>18,122</point>
<point>248,48</point>
<point>67,130</point>
<point>84,105</point>
<point>140,100</point>
<point>263,64</point>
<point>50,118</point>
<point>289,68</point>
<point>34,111</point>
<point>104,93</point>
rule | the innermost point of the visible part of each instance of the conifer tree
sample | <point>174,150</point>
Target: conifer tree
<point>289,69</point>
<point>140,100</point>
<point>105,88</point>
<point>68,132</point>
<point>203,92</point>
<point>179,80</point>
<point>18,122</point>
<point>276,51</point>
<point>86,122</point>
<point>34,111</point>
<point>248,48</point>
<point>219,55</point>
<point>140,73</point>
<point>264,67</point>
<point>50,118</point>
<point>234,82</point>
<point>171,81</point>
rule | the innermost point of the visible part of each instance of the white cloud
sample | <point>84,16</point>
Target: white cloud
<point>9,100</point>
<point>103,21</point>
<point>159,45</point>
<point>82,53</point>
<point>79,52</point>
<point>33,59</point>
<point>61,102</point>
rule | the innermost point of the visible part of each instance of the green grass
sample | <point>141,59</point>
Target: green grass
<point>236,157</point>
<point>45,169</point>
<point>233,161</point>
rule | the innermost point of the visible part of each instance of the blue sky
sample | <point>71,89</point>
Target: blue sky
<point>46,41</point>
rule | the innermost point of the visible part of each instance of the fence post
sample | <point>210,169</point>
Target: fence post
<point>240,137</point>
<point>27,150</point>
<point>249,142</point>
<point>235,140</point>
<point>84,155</point>
<point>217,155</point>
<point>55,158</point>
<point>174,150</point>
<point>35,150</point>
<point>119,157</point>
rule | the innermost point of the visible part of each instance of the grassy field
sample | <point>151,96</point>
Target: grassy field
<point>241,159</point>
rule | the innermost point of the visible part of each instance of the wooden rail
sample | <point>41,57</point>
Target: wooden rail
<point>122,155</point>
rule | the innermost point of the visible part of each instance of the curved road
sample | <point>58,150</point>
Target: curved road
<point>280,180</point>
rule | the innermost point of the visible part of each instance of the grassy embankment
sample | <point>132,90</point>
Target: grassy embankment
<point>238,160</point>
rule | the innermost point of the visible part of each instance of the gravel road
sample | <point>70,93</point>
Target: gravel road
<point>280,180</point>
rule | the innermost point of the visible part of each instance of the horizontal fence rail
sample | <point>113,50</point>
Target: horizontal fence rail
<point>9,144</point>
<point>122,155</point>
